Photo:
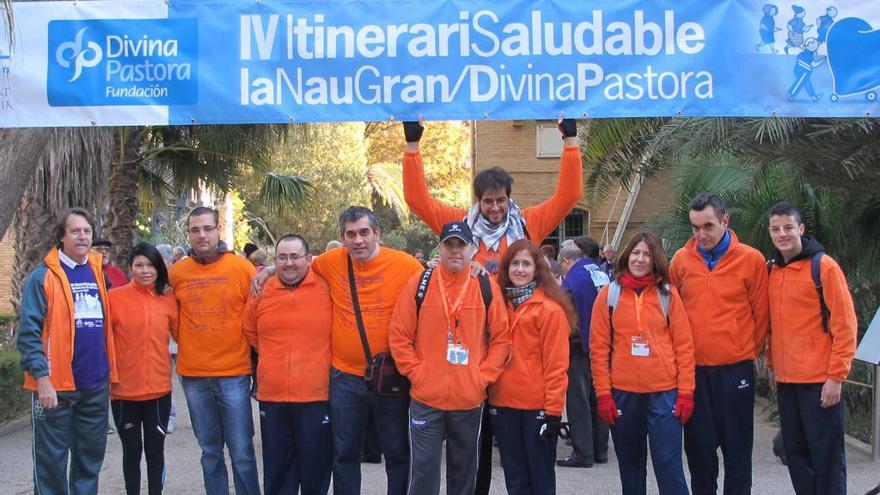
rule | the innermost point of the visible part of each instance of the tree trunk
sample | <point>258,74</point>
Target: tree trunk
<point>22,150</point>
<point>124,190</point>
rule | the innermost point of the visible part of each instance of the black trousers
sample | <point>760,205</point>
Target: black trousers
<point>141,426</point>
<point>813,439</point>
<point>724,404</point>
<point>484,463</point>
<point>589,434</point>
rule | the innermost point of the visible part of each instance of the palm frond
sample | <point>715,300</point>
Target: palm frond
<point>385,180</point>
<point>279,191</point>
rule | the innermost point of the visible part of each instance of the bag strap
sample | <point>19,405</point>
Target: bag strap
<point>816,272</point>
<point>486,291</point>
<point>422,289</point>
<point>357,312</point>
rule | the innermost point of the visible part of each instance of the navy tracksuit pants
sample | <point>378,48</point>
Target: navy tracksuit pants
<point>724,403</point>
<point>643,417</point>
<point>529,462</point>
<point>297,447</point>
<point>813,439</point>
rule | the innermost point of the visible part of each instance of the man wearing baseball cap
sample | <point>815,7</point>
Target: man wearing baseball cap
<point>449,336</point>
<point>114,276</point>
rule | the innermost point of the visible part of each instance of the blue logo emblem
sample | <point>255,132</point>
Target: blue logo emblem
<point>103,62</point>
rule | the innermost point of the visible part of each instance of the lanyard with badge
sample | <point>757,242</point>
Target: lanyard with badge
<point>456,352</point>
<point>640,346</point>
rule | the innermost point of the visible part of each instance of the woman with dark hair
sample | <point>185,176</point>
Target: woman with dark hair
<point>143,320</point>
<point>642,355</point>
<point>525,404</point>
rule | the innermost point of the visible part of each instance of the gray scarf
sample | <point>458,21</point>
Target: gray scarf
<point>490,235</point>
<point>519,295</point>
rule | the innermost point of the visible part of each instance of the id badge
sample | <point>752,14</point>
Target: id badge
<point>640,346</point>
<point>457,354</point>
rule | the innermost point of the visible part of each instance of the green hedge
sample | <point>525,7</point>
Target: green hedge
<point>13,400</point>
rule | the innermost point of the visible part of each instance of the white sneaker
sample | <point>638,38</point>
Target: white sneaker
<point>170,428</point>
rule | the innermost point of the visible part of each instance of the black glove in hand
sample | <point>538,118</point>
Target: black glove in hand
<point>413,131</point>
<point>568,128</point>
<point>553,427</point>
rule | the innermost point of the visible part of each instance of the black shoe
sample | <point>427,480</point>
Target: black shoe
<point>571,463</point>
<point>371,458</point>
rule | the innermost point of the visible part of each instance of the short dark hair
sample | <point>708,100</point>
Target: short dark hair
<point>61,223</point>
<point>293,237</point>
<point>148,251</point>
<point>492,178</point>
<point>588,246</point>
<point>785,208</point>
<point>355,213</point>
<point>704,199</point>
<point>203,210</point>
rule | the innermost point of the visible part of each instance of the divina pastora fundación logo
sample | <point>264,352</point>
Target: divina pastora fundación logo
<point>101,62</point>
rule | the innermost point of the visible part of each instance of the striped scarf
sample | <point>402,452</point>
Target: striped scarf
<point>519,295</point>
<point>490,235</point>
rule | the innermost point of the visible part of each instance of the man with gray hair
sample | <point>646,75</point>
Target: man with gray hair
<point>583,279</point>
<point>606,261</point>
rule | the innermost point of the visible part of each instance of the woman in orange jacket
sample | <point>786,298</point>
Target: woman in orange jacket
<point>526,402</point>
<point>642,356</point>
<point>144,319</point>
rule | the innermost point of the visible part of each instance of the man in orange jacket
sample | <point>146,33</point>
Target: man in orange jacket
<point>68,357</point>
<point>289,324</point>
<point>495,220</point>
<point>723,284</point>
<point>451,349</point>
<point>813,332</point>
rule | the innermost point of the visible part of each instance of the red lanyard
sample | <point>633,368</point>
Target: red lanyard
<point>453,314</point>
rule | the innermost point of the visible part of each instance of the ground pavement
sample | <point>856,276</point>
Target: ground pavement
<point>185,477</point>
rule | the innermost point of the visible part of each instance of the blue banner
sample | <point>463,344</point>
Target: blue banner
<point>224,61</point>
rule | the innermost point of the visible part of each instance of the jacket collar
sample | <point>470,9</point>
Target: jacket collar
<point>691,246</point>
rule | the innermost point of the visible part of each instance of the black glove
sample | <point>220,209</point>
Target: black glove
<point>413,131</point>
<point>568,128</point>
<point>553,427</point>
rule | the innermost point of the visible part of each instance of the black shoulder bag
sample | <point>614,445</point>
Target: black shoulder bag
<point>381,376</point>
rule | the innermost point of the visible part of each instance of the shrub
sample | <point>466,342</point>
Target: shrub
<point>13,400</point>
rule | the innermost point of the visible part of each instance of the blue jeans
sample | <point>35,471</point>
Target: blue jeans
<point>220,411</point>
<point>644,417</point>
<point>350,403</point>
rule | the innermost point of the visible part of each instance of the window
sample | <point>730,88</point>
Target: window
<point>575,224</point>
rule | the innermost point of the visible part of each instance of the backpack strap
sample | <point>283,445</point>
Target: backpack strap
<point>613,296</point>
<point>486,291</point>
<point>816,273</point>
<point>422,289</point>
<point>664,296</point>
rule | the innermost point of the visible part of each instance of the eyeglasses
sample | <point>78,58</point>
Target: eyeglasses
<point>489,202</point>
<point>101,249</point>
<point>293,258</point>
<point>206,229</point>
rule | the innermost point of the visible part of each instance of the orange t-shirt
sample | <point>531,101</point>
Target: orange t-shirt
<point>540,219</point>
<point>379,282</point>
<point>212,299</point>
<point>143,322</point>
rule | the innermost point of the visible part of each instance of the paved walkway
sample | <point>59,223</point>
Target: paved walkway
<point>184,472</point>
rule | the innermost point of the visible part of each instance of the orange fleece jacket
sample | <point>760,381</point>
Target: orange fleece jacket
<point>419,341</point>
<point>727,307</point>
<point>800,351</point>
<point>143,323</point>
<point>537,375</point>
<point>670,364</point>
<point>540,219</point>
<point>290,328</point>
<point>379,282</point>
<point>212,299</point>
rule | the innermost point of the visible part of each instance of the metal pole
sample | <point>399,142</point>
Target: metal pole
<point>875,437</point>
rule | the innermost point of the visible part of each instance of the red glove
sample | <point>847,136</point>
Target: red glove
<point>684,407</point>
<point>607,409</point>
